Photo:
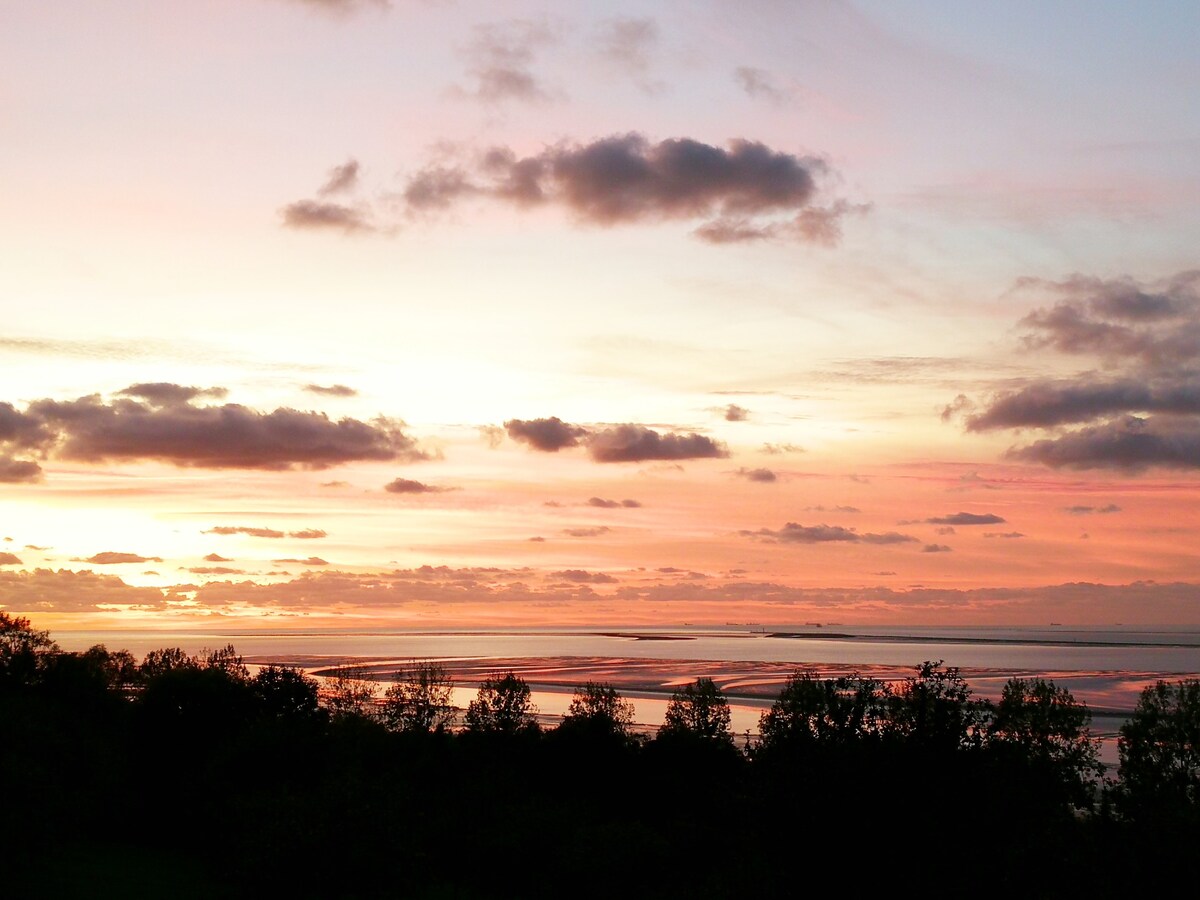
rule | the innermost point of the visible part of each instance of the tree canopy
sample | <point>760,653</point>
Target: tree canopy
<point>698,710</point>
<point>502,706</point>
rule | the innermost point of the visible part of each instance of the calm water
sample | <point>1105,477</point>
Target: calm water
<point>1047,650</point>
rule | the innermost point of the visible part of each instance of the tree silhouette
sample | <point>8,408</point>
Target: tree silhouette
<point>420,700</point>
<point>934,710</point>
<point>1159,751</point>
<point>1046,729</point>
<point>21,650</point>
<point>502,706</point>
<point>598,711</point>
<point>347,693</point>
<point>285,693</point>
<point>811,712</point>
<point>698,710</point>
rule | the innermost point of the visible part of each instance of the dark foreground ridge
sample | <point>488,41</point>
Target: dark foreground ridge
<point>182,776</point>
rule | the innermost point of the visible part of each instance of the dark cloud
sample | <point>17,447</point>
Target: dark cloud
<point>164,393</point>
<point>635,443</point>
<point>408,486</point>
<point>163,424</point>
<point>311,561</point>
<point>332,390</point>
<point>113,558</point>
<point>537,539</point>
<point>245,529</point>
<point>580,576</point>
<point>1140,409</point>
<point>594,531</point>
<point>216,558</point>
<point>745,191</point>
<point>44,590</point>
<point>342,178</point>
<point>317,215</point>
<point>501,57</point>
<point>735,413</point>
<point>602,503</point>
<point>793,533</point>
<point>1089,510</point>
<point>1003,534</point>
<point>966,518</point>
<point>308,534</point>
<point>19,471</point>
<point>945,529</point>
<point>549,435</point>
<point>1130,444</point>
<point>9,559</point>
<point>936,548</point>
<point>765,476</point>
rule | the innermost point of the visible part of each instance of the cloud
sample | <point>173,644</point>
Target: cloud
<point>308,534</point>
<point>635,443</point>
<point>742,192</point>
<point>245,529</point>
<point>215,570</point>
<point>407,486</point>
<point>319,215</point>
<point>501,59</point>
<point>332,390</point>
<point>216,558</point>
<point>1131,444</point>
<point>579,576</point>
<point>164,393</point>
<point>759,83</point>
<point>966,518</point>
<point>1140,409</point>
<point>793,533</point>
<point>764,476</point>
<point>1003,534</point>
<point>594,531</point>
<point>113,558</point>
<point>841,509</point>
<point>629,44</point>
<point>19,471</point>
<point>780,449</point>
<point>616,443</point>
<point>9,559</point>
<point>343,6</point>
<point>936,548</point>
<point>341,179</point>
<point>735,413</point>
<point>493,435</point>
<point>549,435</point>
<point>310,561</point>
<point>160,422</point>
<point>1089,510</point>
<point>601,503</point>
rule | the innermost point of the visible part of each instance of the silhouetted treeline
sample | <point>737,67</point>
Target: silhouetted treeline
<point>182,776</point>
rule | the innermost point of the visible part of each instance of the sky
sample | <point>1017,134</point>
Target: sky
<point>342,312</point>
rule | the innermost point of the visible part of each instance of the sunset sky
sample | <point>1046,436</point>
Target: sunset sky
<point>454,314</point>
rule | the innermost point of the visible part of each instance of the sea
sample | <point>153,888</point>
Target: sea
<point>1104,667</point>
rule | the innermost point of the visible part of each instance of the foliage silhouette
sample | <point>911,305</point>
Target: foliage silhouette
<point>502,706</point>
<point>814,713</point>
<point>420,700</point>
<point>1159,751</point>
<point>698,710</point>
<point>1044,728</point>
